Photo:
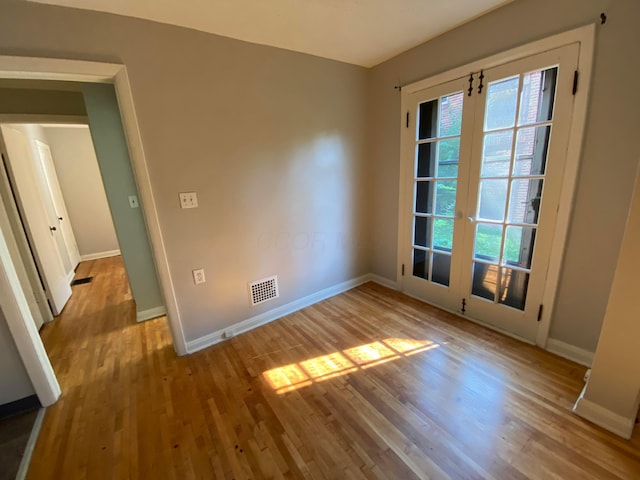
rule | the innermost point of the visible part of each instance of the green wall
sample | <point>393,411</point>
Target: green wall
<point>117,175</point>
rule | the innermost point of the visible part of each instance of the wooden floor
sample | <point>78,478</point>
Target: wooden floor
<point>368,384</point>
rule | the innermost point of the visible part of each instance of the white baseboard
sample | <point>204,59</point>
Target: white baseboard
<point>570,352</point>
<point>31,443</point>
<point>385,282</point>
<point>97,255</point>
<point>155,312</point>
<point>276,313</point>
<point>621,426</point>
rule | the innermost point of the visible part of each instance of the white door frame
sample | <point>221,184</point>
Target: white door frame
<point>585,36</point>
<point>14,304</point>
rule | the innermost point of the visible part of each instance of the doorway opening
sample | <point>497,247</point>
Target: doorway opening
<point>58,210</point>
<point>21,326</point>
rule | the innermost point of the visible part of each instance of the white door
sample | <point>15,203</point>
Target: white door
<point>513,143</point>
<point>60,209</point>
<point>437,137</point>
<point>41,232</point>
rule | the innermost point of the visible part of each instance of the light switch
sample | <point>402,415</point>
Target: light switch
<point>133,201</point>
<point>188,200</point>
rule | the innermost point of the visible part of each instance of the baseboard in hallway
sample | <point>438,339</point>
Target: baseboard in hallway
<point>98,255</point>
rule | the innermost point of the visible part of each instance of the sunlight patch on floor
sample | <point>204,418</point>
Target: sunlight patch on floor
<point>298,375</point>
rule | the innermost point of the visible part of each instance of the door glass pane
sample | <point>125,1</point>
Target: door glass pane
<point>485,280</point>
<point>496,154</point>
<point>422,233</point>
<point>441,269</point>
<point>513,288</point>
<point>493,198</point>
<point>437,155</point>
<point>426,160</point>
<point>488,241</point>
<point>443,234</point>
<point>502,99</point>
<point>427,120</point>
<point>420,263</point>
<point>524,201</point>
<point>448,157</point>
<point>446,197</point>
<point>518,246</point>
<point>424,201</point>
<point>532,145</point>
<point>538,91</point>
<point>451,115</point>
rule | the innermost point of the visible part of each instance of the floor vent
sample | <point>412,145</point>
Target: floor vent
<point>262,290</point>
<point>80,281</point>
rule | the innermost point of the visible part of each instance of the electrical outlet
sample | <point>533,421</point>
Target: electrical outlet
<point>188,200</point>
<point>198,276</point>
<point>133,201</point>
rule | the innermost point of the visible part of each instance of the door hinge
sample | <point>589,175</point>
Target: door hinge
<point>407,123</point>
<point>540,313</point>
<point>464,305</point>
<point>575,82</point>
<point>403,269</point>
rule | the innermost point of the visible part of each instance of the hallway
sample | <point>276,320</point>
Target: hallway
<point>102,359</point>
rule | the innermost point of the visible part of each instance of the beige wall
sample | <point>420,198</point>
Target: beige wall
<point>607,165</point>
<point>272,141</point>
<point>82,189</point>
<point>14,380</point>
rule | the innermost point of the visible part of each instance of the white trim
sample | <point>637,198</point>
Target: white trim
<point>36,68</point>
<point>96,72</point>
<point>23,329</point>
<point>276,313</point>
<point>154,312</point>
<point>97,255</point>
<point>595,413</point>
<point>585,36</point>
<point>385,282</point>
<point>150,212</point>
<point>570,352</point>
<point>31,444</point>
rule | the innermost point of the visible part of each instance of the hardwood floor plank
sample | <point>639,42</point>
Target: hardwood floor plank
<point>369,384</point>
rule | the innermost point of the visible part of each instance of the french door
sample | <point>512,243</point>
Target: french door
<point>484,162</point>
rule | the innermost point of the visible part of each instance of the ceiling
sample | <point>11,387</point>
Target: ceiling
<point>361,32</point>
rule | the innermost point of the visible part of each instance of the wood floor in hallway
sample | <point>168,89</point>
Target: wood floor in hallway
<point>367,384</point>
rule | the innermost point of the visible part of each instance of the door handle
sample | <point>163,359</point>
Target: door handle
<point>53,229</point>
<point>471,219</point>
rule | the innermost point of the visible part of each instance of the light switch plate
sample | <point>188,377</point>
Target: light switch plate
<point>188,200</point>
<point>133,201</point>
